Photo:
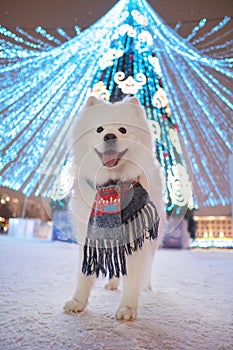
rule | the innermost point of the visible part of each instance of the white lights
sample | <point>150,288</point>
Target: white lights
<point>108,58</point>
<point>129,85</point>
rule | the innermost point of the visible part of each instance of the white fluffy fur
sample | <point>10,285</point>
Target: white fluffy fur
<point>138,163</point>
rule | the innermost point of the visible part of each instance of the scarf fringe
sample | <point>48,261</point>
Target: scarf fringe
<point>109,256</point>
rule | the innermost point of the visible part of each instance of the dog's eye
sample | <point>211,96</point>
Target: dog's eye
<point>100,129</point>
<point>123,130</point>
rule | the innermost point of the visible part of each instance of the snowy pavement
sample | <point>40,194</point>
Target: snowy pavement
<point>190,307</point>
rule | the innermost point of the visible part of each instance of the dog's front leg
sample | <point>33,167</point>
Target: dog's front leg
<point>131,287</point>
<point>82,292</point>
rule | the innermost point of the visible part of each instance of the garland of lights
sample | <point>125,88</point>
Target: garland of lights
<point>228,46</point>
<point>11,35</point>
<point>48,36</point>
<point>200,25</point>
<point>43,87</point>
<point>42,45</point>
<point>62,33</point>
<point>213,30</point>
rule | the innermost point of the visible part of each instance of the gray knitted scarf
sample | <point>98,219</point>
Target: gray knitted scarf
<point>122,217</point>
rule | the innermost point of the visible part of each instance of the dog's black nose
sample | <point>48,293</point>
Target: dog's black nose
<point>110,138</point>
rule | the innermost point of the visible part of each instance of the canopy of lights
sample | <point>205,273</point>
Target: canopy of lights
<point>46,79</point>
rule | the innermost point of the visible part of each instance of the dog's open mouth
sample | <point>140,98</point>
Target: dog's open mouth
<point>110,157</point>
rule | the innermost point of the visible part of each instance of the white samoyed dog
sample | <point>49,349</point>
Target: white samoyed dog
<point>112,143</point>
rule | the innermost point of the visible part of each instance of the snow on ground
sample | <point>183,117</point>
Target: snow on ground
<point>189,308</point>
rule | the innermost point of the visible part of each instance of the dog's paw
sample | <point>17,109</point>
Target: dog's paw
<point>126,313</point>
<point>112,284</point>
<point>74,306</point>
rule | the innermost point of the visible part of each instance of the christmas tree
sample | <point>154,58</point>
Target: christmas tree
<point>131,67</point>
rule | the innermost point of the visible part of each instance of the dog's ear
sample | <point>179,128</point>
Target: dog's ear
<point>133,99</point>
<point>93,101</point>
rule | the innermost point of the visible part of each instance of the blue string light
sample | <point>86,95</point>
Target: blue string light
<point>219,26</point>
<point>226,50</point>
<point>200,25</point>
<point>177,26</point>
<point>48,36</point>
<point>42,45</point>
<point>11,35</point>
<point>62,33</point>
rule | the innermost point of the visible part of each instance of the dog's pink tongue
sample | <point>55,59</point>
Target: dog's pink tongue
<point>109,158</point>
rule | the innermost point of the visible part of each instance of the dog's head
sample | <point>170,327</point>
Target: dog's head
<point>111,141</point>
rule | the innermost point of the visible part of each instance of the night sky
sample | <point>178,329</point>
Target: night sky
<point>67,13</point>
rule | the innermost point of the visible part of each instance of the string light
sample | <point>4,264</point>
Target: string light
<point>48,36</point>
<point>42,45</point>
<point>77,29</point>
<point>177,26</point>
<point>43,89</point>
<point>226,50</point>
<point>62,33</point>
<point>212,31</point>
<point>200,25</point>
<point>9,34</point>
